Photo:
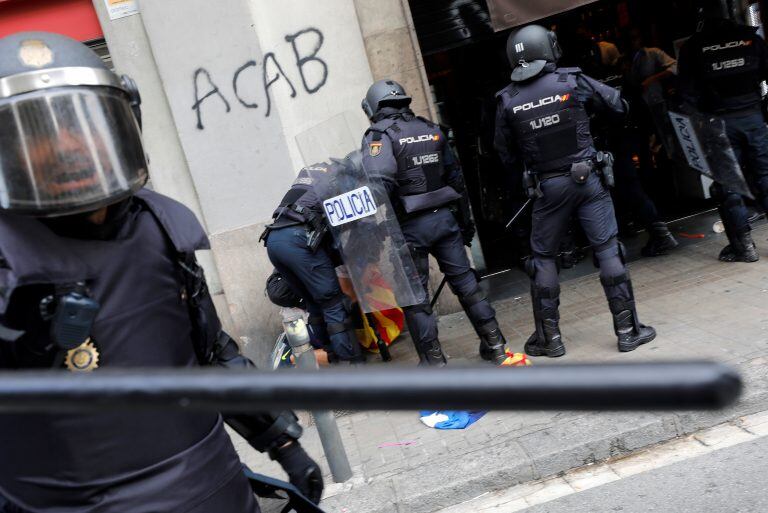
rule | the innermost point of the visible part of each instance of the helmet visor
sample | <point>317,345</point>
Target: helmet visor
<point>68,150</point>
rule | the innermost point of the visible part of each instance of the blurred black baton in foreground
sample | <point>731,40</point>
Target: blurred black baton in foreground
<point>654,386</point>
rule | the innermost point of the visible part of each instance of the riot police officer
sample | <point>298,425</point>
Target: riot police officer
<point>412,158</point>
<point>97,273</point>
<point>542,123</point>
<point>624,139</point>
<point>721,67</point>
<point>299,246</point>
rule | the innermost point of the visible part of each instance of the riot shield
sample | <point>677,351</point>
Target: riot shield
<point>361,218</point>
<point>703,145</point>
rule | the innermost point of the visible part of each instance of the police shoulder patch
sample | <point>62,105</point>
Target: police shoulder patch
<point>374,149</point>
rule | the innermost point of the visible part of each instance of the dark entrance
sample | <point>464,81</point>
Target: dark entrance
<point>466,65</point>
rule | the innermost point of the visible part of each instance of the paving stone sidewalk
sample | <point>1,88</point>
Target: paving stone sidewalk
<point>701,308</point>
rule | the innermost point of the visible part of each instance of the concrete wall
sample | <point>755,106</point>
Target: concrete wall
<point>169,174</point>
<point>243,82</point>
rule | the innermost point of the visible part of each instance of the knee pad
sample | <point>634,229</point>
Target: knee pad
<point>613,281</point>
<point>609,249</point>
<point>473,298</point>
<point>530,264</point>
<point>530,267</point>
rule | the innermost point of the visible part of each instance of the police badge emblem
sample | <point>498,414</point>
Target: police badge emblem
<point>83,358</point>
<point>375,149</point>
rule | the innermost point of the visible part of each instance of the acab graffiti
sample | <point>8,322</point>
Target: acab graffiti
<point>312,70</point>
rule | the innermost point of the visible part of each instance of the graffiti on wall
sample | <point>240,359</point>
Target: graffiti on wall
<point>267,75</point>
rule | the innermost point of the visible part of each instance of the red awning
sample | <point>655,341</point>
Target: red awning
<point>512,13</point>
<point>74,18</point>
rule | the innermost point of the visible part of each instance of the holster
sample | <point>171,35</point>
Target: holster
<point>531,184</point>
<point>604,161</point>
<point>461,211</point>
<point>316,226</point>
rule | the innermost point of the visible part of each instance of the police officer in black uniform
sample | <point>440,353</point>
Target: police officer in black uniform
<point>96,272</point>
<point>300,248</point>
<point>412,158</point>
<point>542,122</point>
<point>721,67</point>
<point>624,139</point>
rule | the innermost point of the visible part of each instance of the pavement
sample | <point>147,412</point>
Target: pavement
<point>701,308</point>
<point>721,469</point>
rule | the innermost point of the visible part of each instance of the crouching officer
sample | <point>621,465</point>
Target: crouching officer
<point>300,248</point>
<point>424,181</point>
<point>542,120</point>
<point>97,273</point>
<point>721,67</point>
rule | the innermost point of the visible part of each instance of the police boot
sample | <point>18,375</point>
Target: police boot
<point>483,318</point>
<point>431,354</point>
<point>660,240</point>
<point>546,340</point>
<point>630,331</point>
<point>741,249</point>
<point>493,347</point>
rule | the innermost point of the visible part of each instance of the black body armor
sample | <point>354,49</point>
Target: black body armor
<point>154,310</point>
<point>549,123</point>
<point>724,63</point>
<point>419,147</point>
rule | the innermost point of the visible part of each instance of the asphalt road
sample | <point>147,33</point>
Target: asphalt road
<point>733,480</point>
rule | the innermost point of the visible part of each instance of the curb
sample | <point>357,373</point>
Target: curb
<point>548,452</point>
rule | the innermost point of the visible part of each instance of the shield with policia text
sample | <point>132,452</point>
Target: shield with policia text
<point>704,146</point>
<point>360,217</point>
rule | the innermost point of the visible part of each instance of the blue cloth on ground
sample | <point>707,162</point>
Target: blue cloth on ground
<point>451,419</point>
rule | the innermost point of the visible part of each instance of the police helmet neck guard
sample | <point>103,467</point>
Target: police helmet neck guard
<point>384,93</point>
<point>529,49</point>
<point>71,138</point>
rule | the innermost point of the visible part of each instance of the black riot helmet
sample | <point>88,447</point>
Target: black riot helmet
<point>529,49</point>
<point>382,94</point>
<point>70,140</point>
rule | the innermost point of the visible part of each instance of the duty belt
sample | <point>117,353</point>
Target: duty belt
<point>563,172</point>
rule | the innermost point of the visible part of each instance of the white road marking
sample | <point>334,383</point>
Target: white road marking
<point>520,497</point>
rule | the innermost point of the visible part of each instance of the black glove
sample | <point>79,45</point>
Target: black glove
<point>303,472</point>
<point>468,233</point>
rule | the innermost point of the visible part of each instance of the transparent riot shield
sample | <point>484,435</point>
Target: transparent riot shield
<point>360,217</point>
<point>703,145</point>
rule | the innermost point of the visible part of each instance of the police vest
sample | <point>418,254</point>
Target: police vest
<point>143,321</point>
<point>728,68</point>
<point>300,196</point>
<point>417,145</point>
<point>549,123</point>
